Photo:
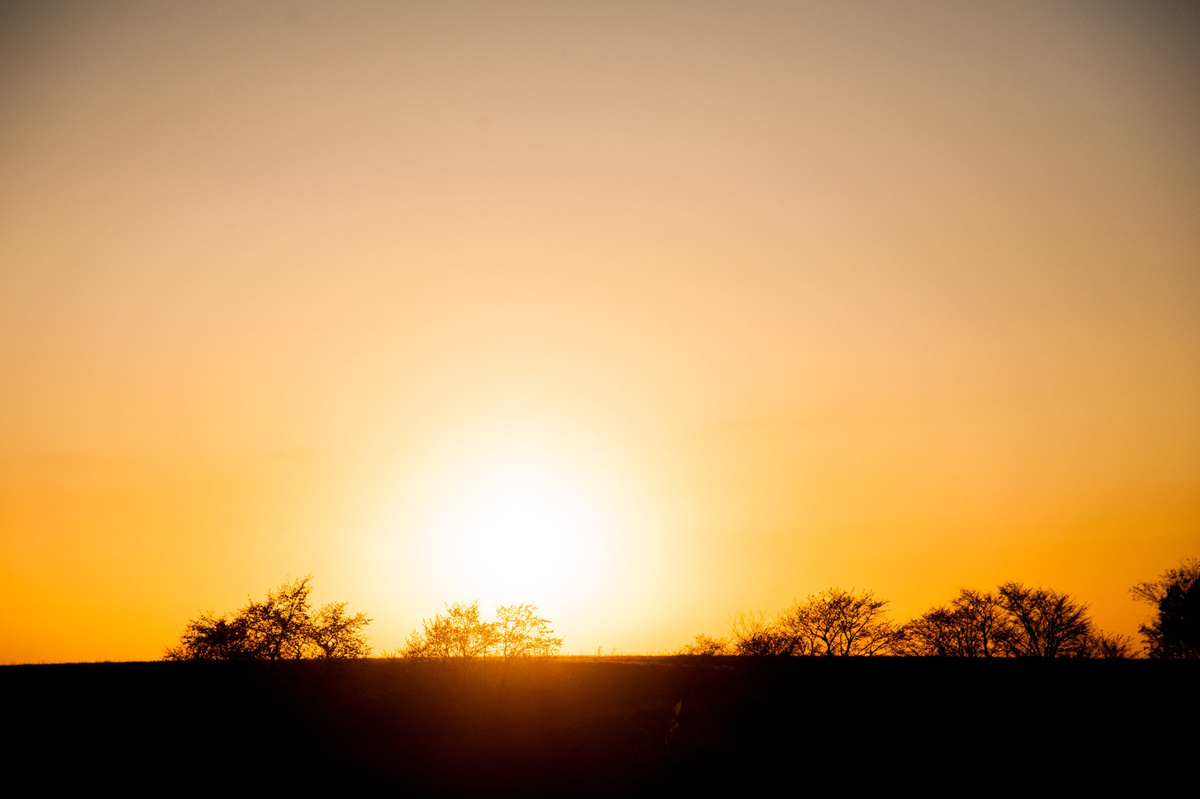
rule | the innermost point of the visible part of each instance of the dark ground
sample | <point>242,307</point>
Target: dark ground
<point>585,726</point>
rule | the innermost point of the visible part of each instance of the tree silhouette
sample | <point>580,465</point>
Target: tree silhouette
<point>282,626</point>
<point>462,633</point>
<point>520,632</point>
<point>1045,623</point>
<point>705,645</point>
<point>974,625</point>
<point>212,637</point>
<point>841,623</point>
<point>1174,631</point>
<point>1108,645</point>
<point>339,635</point>
<point>1013,622</point>
<point>754,635</point>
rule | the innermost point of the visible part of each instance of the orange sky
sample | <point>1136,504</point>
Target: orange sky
<point>647,312</point>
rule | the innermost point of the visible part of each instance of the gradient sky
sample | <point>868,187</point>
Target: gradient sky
<point>646,312</point>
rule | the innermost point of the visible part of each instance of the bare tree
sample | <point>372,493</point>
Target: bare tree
<point>1108,645</point>
<point>1045,623</point>
<point>1174,630</point>
<point>754,635</point>
<point>841,623</point>
<point>936,632</point>
<point>974,625</point>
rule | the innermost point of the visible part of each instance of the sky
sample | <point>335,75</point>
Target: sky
<point>646,312</point>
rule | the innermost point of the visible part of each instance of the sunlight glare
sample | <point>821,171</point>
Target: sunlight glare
<point>520,532</point>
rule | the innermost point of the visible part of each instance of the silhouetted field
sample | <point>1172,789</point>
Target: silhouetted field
<point>572,726</point>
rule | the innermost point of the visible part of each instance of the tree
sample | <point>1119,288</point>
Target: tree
<point>461,633</point>
<point>841,623</point>
<point>338,635</point>
<point>1044,623</point>
<point>282,626</point>
<point>212,637</point>
<point>1174,630</point>
<point>1108,645</point>
<point>1013,622</point>
<point>520,632</point>
<point>974,625</point>
<point>754,635</point>
<point>705,645</point>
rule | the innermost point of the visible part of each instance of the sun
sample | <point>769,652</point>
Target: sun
<point>519,530</point>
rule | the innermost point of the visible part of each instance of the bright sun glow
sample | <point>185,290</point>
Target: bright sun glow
<point>519,531</point>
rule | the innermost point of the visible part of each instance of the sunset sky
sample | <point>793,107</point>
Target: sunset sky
<point>647,312</point>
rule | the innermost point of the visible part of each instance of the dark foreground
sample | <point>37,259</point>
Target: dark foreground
<point>597,727</point>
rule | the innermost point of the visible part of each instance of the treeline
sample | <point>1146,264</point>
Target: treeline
<point>1012,621</point>
<point>286,626</point>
